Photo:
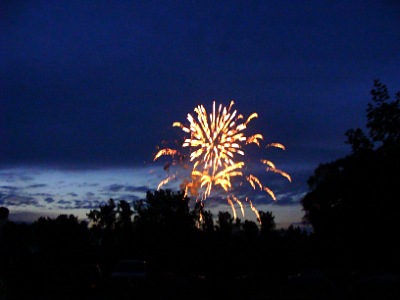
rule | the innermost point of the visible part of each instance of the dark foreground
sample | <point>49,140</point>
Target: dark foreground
<point>71,282</point>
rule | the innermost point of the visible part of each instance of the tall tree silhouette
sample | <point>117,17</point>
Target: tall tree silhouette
<point>105,217</point>
<point>267,222</point>
<point>225,223</point>
<point>353,201</point>
<point>384,116</point>
<point>164,209</point>
<point>164,226</point>
<point>124,215</point>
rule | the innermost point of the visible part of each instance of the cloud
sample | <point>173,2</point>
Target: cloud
<point>12,176</point>
<point>39,185</point>
<point>41,194</point>
<point>63,202</point>
<point>290,198</point>
<point>118,191</point>
<point>86,204</point>
<point>11,196</point>
<point>132,188</point>
<point>72,194</point>
<point>19,200</point>
<point>128,198</point>
<point>49,200</point>
<point>86,184</point>
<point>9,187</point>
<point>115,187</point>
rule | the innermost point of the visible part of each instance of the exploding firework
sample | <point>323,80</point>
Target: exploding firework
<point>216,144</point>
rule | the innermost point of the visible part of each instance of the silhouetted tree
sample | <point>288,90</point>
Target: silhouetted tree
<point>267,222</point>
<point>63,239</point>
<point>105,217</point>
<point>237,226</point>
<point>358,140</point>
<point>165,209</point>
<point>384,116</point>
<point>124,215</point>
<point>353,201</point>
<point>4,212</point>
<point>164,226</point>
<point>225,223</point>
<point>250,229</point>
<point>203,218</point>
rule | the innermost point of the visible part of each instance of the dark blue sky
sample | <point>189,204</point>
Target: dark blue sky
<point>97,84</point>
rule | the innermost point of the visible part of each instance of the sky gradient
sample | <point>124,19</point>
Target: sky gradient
<point>89,89</point>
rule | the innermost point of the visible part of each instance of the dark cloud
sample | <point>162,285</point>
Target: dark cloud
<point>63,202</point>
<point>49,200</point>
<point>118,191</point>
<point>128,198</point>
<point>85,204</point>
<point>85,184</point>
<point>20,200</point>
<point>11,196</point>
<point>9,187</point>
<point>39,185</point>
<point>141,189</point>
<point>72,194</point>
<point>290,199</point>
<point>41,194</point>
<point>115,187</point>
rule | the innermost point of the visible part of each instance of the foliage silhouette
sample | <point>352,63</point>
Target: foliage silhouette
<point>267,222</point>
<point>225,223</point>
<point>186,258</point>
<point>105,217</point>
<point>353,202</point>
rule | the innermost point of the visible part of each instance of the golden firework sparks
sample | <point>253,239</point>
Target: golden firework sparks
<point>216,142</point>
<point>165,151</point>
<point>240,204</point>
<point>165,181</point>
<point>255,211</point>
<point>276,145</point>
<point>233,208</point>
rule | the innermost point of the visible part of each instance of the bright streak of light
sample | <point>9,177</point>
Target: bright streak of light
<point>284,174</point>
<point>271,193</point>
<point>233,208</point>
<point>276,145</point>
<point>165,181</point>
<point>240,204</point>
<point>268,163</point>
<point>166,151</point>
<point>255,211</point>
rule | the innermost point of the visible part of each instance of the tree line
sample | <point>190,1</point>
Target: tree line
<point>159,229</point>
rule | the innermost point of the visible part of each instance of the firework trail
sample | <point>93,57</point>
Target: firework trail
<point>216,144</point>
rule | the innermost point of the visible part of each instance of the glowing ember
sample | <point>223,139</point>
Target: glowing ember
<point>216,144</point>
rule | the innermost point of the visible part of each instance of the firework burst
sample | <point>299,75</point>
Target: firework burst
<point>216,143</point>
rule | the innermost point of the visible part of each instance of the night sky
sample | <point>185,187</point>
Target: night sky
<point>89,89</point>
